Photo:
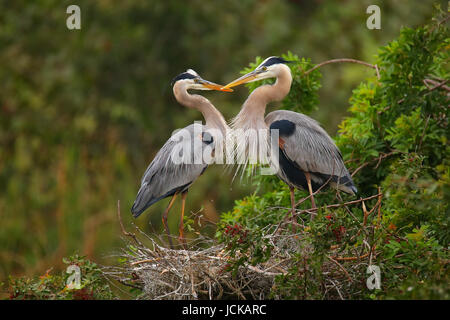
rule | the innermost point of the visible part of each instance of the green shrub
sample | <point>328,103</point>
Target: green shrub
<point>93,285</point>
<point>396,140</point>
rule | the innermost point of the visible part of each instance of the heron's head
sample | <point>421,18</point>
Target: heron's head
<point>191,80</point>
<point>269,68</point>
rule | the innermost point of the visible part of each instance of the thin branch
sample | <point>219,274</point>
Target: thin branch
<point>352,258</point>
<point>144,261</point>
<point>379,207</point>
<point>436,84</point>
<point>340,267</point>
<point>338,205</point>
<point>381,157</point>
<point>126,233</point>
<point>267,273</point>
<point>373,66</point>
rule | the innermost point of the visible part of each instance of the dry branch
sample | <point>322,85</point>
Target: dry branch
<point>373,66</point>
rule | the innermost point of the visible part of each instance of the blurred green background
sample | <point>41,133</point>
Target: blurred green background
<point>83,112</point>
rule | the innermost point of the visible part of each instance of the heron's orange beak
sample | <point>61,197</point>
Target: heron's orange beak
<point>214,86</point>
<point>251,76</point>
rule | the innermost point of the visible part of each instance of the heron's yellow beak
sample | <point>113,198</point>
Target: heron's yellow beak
<point>214,86</point>
<point>251,76</point>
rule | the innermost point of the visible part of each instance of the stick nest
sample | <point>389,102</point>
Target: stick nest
<point>201,272</point>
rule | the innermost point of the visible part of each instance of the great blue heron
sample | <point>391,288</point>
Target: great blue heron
<point>308,157</point>
<point>165,177</point>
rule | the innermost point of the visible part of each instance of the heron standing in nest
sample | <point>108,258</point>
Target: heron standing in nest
<point>308,157</point>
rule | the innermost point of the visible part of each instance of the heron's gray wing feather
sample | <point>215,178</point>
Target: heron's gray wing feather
<point>166,174</point>
<point>310,147</point>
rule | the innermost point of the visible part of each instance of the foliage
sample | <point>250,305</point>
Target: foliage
<point>83,112</point>
<point>396,140</point>
<point>93,285</point>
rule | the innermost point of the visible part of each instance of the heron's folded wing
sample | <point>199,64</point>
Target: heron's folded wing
<point>177,165</point>
<point>310,147</point>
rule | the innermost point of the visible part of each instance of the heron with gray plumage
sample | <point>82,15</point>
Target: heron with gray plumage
<point>308,157</point>
<point>181,159</point>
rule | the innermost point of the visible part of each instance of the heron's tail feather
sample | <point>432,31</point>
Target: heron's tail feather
<point>343,183</point>
<point>144,199</point>
<point>346,184</point>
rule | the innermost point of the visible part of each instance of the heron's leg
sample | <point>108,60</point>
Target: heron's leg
<point>313,203</point>
<point>164,218</point>
<point>181,228</point>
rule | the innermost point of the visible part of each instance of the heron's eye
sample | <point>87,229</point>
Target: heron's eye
<point>196,80</point>
<point>264,68</point>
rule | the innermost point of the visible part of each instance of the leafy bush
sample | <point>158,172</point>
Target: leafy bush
<point>93,286</point>
<point>396,141</point>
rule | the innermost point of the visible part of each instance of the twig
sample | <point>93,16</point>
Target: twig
<point>337,289</point>
<point>352,258</point>
<point>144,261</point>
<point>379,207</point>
<point>440,22</point>
<point>341,267</point>
<point>129,284</point>
<point>381,157</point>
<point>191,272</point>
<point>426,84</point>
<point>436,84</point>
<point>377,204</point>
<point>371,251</point>
<point>373,66</point>
<point>338,205</point>
<point>126,233</point>
<point>267,273</point>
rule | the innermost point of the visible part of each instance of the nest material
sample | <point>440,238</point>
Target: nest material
<point>164,273</point>
<point>201,273</point>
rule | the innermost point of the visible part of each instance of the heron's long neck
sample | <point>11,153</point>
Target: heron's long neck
<point>252,112</point>
<point>213,118</point>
